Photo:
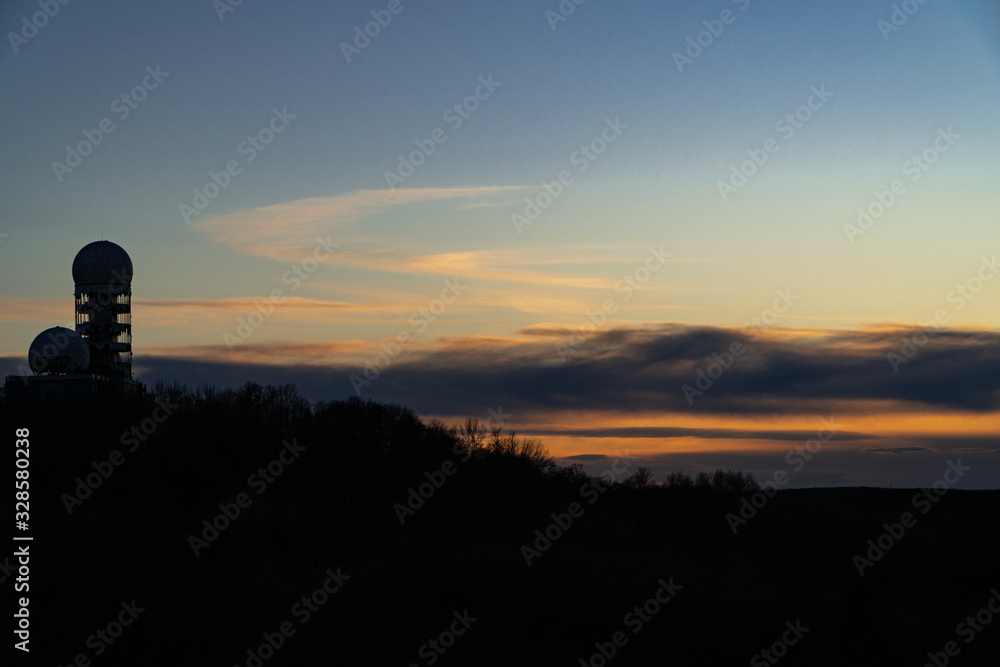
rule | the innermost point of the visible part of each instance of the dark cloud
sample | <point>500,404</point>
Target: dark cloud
<point>899,450</point>
<point>644,370</point>
<point>640,370</point>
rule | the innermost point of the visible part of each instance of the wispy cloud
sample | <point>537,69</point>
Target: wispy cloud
<point>30,310</point>
<point>288,231</point>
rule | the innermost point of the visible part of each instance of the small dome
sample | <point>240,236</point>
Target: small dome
<point>102,263</point>
<point>58,350</point>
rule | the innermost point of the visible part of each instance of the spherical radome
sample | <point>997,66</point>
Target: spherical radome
<point>58,350</point>
<point>102,263</point>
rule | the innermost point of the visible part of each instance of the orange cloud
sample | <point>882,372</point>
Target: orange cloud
<point>288,231</point>
<point>32,310</point>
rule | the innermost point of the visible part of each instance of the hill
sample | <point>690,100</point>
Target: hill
<point>249,527</point>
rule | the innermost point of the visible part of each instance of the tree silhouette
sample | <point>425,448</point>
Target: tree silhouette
<point>460,544</point>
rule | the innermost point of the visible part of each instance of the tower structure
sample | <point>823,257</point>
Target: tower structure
<point>102,272</point>
<point>93,363</point>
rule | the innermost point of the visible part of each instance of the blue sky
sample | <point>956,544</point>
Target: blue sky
<point>347,123</point>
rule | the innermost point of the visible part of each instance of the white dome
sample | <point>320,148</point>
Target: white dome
<point>58,350</point>
<point>102,263</point>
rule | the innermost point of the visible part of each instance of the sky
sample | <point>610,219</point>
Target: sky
<point>695,234</point>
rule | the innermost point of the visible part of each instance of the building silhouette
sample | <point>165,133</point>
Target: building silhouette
<point>94,361</point>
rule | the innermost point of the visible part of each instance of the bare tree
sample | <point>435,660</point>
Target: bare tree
<point>640,479</point>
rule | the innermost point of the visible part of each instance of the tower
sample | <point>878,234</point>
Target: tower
<point>102,272</point>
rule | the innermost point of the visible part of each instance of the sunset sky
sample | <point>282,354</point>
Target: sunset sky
<point>566,218</point>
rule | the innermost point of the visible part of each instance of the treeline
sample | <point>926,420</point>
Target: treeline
<point>392,431</point>
<point>227,507</point>
<point>384,434</point>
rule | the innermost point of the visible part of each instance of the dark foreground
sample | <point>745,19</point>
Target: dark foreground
<point>311,564</point>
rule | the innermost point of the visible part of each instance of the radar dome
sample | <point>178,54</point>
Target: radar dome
<point>102,263</point>
<point>58,351</point>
